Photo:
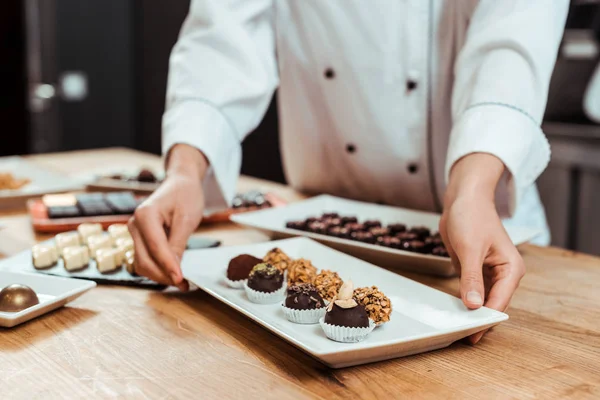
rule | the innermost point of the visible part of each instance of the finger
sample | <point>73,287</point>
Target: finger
<point>144,264</point>
<point>182,226</point>
<point>151,228</point>
<point>476,337</point>
<point>471,277</point>
<point>502,291</point>
<point>451,252</point>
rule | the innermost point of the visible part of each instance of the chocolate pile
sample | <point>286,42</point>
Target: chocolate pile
<point>418,239</point>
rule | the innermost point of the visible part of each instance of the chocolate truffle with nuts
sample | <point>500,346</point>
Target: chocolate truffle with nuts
<point>377,304</point>
<point>328,283</point>
<point>277,258</point>
<point>345,311</point>
<point>265,278</point>
<point>303,297</point>
<point>301,271</point>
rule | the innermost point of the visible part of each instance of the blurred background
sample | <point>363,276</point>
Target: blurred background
<point>89,74</point>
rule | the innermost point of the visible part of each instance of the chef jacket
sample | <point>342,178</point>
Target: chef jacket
<point>377,99</point>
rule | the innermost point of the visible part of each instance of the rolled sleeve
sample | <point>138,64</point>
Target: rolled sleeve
<point>509,134</point>
<point>201,125</point>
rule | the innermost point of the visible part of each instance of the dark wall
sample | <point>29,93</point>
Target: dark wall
<point>13,115</point>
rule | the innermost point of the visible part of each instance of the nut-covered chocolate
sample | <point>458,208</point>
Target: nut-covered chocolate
<point>239,267</point>
<point>278,258</point>
<point>328,283</point>
<point>265,278</point>
<point>301,271</point>
<point>303,297</point>
<point>377,304</point>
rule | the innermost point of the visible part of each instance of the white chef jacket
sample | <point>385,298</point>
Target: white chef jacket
<point>377,98</point>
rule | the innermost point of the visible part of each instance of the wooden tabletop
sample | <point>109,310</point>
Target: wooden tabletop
<point>130,343</point>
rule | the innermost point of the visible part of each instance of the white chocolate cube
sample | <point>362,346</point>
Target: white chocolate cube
<point>67,239</point>
<point>124,244</point>
<point>97,242</point>
<point>44,255</point>
<point>108,260</point>
<point>76,257</point>
<point>117,231</point>
<point>87,230</point>
<point>129,261</point>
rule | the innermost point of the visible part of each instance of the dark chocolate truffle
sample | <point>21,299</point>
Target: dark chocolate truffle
<point>416,246</point>
<point>348,220</point>
<point>407,236</point>
<point>304,297</point>
<point>389,241</point>
<point>298,225</point>
<point>355,227</point>
<point>239,267</point>
<point>339,231</point>
<point>379,231</point>
<point>146,176</point>
<point>265,278</point>
<point>16,297</point>
<point>365,237</point>
<point>440,251</point>
<point>421,231</point>
<point>355,317</point>
<point>330,215</point>
<point>396,228</point>
<point>371,223</point>
<point>318,227</point>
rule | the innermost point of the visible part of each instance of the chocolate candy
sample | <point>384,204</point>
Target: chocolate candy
<point>371,223</point>
<point>304,297</point>
<point>67,239</point>
<point>416,246</point>
<point>355,317</point>
<point>389,241</point>
<point>298,225</point>
<point>421,231</point>
<point>76,257</point>
<point>146,176</point>
<point>339,231</point>
<point>108,260</point>
<point>239,267</point>
<point>86,230</point>
<point>265,278</point>
<point>98,242</point>
<point>118,230</point>
<point>348,220</point>
<point>407,236</point>
<point>121,202</point>
<point>330,215</point>
<point>355,227</point>
<point>44,255</point>
<point>396,228</point>
<point>16,297</point>
<point>332,221</point>
<point>379,231</point>
<point>318,227</point>
<point>440,251</point>
<point>365,237</point>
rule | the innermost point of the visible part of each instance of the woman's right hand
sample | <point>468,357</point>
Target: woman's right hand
<point>162,224</point>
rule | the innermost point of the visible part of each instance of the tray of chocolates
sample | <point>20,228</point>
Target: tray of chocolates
<point>90,252</point>
<point>64,212</point>
<point>392,237</point>
<point>341,310</point>
<point>26,296</point>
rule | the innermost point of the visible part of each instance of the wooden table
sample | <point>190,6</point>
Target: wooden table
<point>130,343</point>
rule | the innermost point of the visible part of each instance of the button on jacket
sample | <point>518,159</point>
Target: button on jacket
<point>377,98</point>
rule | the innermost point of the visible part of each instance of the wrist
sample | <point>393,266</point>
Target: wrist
<point>474,176</point>
<point>186,160</point>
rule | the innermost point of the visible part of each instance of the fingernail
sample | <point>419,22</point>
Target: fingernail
<point>474,297</point>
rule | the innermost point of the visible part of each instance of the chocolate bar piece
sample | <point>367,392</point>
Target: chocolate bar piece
<point>93,208</point>
<point>63,212</point>
<point>121,203</point>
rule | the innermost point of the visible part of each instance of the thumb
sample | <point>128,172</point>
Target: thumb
<point>471,279</point>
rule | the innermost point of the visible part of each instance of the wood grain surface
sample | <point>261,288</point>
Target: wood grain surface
<point>129,343</point>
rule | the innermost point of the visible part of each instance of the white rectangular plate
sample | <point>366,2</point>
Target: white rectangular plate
<point>272,222</point>
<point>53,292</point>
<point>423,319</point>
<point>42,180</point>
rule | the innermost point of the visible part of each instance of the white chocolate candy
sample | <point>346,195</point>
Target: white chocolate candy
<point>124,244</point>
<point>67,239</point>
<point>117,231</point>
<point>76,257</point>
<point>87,230</point>
<point>44,255</point>
<point>108,260</point>
<point>97,242</point>
<point>129,262</point>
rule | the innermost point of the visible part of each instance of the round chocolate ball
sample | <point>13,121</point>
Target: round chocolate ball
<point>304,297</point>
<point>147,176</point>
<point>365,237</point>
<point>354,317</point>
<point>421,231</point>
<point>298,225</point>
<point>239,267</point>
<point>265,278</point>
<point>396,228</point>
<point>371,223</point>
<point>16,297</point>
<point>348,220</point>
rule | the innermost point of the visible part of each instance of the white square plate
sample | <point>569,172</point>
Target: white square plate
<point>42,180</point>
<point>272,222</point>
<point>53,292</point>
<point>423,318</point>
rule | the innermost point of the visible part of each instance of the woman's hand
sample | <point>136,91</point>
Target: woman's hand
<point>162,224</point>
<point>489,265</point>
